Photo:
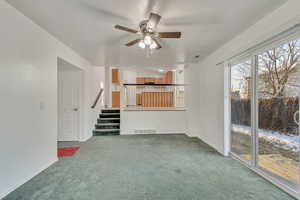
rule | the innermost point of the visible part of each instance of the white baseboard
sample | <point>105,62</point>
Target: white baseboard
<point>157,133</point>
<point>26,179</point>
<point>193,134</point>
<point>86,139</point>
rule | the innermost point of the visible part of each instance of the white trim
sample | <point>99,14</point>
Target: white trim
<point>287,35</point>
<point>227,109</point>
<point>81,91</point>
<point>157,133</point>
<point>28,178</point>
<point>211,145</point>
<point>179,133</point>
<point>85,139</point>
<point>254,111</point>
<point>81,111</point>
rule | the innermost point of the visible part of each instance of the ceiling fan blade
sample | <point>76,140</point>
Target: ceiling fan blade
<point>158,44</point>
<point>154,19</point>
<point>123,28</point>
<point>129,44</point>
<point>169,34</point>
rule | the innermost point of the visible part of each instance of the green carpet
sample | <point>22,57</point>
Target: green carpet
<point>149,167</point>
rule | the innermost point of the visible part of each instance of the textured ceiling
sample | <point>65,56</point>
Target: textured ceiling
<point>87,26</point>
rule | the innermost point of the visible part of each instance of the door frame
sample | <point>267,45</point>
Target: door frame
<point>80,112</point>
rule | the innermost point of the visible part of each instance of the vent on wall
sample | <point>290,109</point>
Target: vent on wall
<point>145,131</point>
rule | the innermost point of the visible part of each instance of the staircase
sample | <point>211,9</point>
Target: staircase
<point>108,123</point>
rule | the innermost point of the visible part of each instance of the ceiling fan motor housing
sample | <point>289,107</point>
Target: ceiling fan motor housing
<point>144,26</point>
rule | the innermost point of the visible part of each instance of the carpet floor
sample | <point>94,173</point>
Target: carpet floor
<point>147,167</point>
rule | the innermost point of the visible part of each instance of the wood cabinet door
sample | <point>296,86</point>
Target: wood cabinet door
<point>168,78</point>
<point>140,81</point>
<point>116,99</point>
<point>115,76</point>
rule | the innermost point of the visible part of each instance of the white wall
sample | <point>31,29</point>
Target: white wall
<point>205,95</point>
<point>107,86</point>
<point>28,90</point>
<point>179,76</point>
<point>96,76</point>
<point>149,74</point>
<point>128,76</point>
<point>163,122</point>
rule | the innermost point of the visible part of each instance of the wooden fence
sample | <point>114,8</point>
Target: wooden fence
<point>276,114</point>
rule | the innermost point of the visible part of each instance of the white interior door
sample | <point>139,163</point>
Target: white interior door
<point>69,100</point>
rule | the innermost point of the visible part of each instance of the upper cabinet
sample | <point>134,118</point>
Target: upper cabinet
<point>115,76</point>
<point>168,78</point>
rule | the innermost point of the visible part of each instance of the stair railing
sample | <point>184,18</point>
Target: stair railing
<point>154,96</point>
<point>97,98</point>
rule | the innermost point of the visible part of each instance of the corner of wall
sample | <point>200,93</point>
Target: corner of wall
<point>27,178</point>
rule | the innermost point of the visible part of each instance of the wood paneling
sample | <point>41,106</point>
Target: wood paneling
<point>149,80</point>
<point>140,80</point>
<point>139,99</point>
<point>115,76</point>
<point>116,99</point>
<point>157,99</point>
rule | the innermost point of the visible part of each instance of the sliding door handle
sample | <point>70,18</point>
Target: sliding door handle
<point>295,118</point>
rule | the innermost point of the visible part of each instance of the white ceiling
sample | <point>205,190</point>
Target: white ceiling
<point>87,26</point>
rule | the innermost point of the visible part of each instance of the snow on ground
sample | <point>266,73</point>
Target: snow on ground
<point>279,139</point>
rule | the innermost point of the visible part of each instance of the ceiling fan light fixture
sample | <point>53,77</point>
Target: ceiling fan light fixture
<point>142,44</point>
<point>153,45</point>
<point>148,40</point>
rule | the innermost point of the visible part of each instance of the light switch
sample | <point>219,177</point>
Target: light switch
<point>42,105</point>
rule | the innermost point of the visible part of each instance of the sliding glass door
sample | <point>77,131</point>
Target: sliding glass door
<point>265,117</point>
<point>241,135</point>
<point>278,111</point>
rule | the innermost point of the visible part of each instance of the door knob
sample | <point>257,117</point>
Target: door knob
<point>75,109</point>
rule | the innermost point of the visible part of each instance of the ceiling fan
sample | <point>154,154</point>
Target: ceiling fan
<point>149,36</point>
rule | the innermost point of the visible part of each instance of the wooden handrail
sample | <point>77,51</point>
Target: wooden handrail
<point>97,98</point>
